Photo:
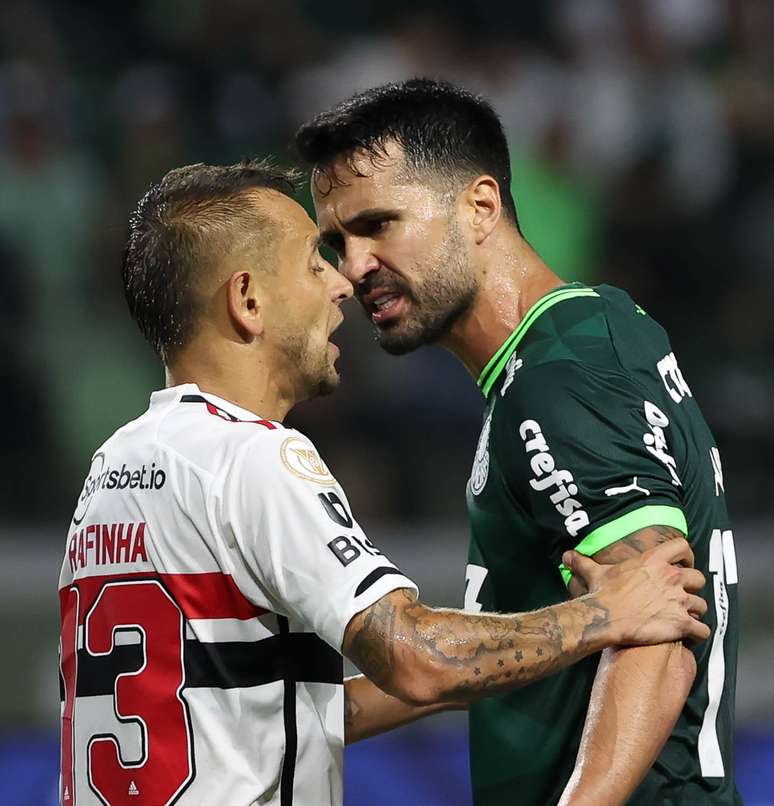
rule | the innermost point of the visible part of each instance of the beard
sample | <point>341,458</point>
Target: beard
<point>318,376</point>
<point>327,382</point>
<point>445,293</point>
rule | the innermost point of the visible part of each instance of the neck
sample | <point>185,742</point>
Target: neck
<point>225,371</point>
<point>512,278</point>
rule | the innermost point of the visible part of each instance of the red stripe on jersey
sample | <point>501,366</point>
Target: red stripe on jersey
<point>210,595</point>
<point>229,418</point>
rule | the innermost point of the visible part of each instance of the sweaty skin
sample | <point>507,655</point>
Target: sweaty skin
<point>390,231</point>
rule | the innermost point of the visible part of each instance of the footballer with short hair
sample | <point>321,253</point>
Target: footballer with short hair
<point>591,440</point>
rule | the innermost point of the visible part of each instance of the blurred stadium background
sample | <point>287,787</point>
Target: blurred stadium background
<point>643,148</point>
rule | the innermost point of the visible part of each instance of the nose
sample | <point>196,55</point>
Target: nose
<point>341,287</point>
<point>358,261</point>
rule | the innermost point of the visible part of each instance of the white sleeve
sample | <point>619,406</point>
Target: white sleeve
<point>299,540</point>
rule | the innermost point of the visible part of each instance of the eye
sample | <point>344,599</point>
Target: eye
<point>370,227</point>
<point>380,224</point>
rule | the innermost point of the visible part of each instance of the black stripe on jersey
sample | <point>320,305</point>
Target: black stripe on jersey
<point>298,657</point>
<point>375,576</point>
<point>227,414</point>
<point>97,673</point>
<point>200,399</point>
<point>291,730</point>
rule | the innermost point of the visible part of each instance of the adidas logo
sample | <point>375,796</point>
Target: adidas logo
<point>133,790</point>
<point>66,795</point>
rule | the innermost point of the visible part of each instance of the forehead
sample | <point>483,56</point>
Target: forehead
<point>285,216</point>
<point>363,180</point>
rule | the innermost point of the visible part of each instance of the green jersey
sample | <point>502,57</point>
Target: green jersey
<point>591,433</point>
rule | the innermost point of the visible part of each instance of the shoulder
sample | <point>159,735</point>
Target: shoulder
<point>546,384</point>
<point>576,329</point>
<point>288,452</point>
<point>568,399</point>
<point>587,325</point>
<point>572,345</point>
<point>266,462</point>
<point>212,439</point>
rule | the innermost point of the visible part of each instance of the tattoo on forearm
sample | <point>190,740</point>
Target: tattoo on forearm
<point>483,653</point>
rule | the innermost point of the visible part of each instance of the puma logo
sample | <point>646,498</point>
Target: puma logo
<point>630,488</point>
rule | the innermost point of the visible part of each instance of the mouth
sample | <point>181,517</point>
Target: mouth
<point>384,306</point>
<point>338,324</point>
<point>331,346</point>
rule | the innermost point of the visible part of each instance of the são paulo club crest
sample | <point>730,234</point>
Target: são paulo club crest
<point>480,471</point>
<point>301,459</point>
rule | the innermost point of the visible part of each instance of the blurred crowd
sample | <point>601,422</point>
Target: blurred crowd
<point>642,135</point>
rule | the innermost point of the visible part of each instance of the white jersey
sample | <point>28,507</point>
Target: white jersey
<point>211,568</point>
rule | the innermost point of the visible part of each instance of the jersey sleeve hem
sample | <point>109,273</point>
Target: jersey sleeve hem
<point>361,602</point>
<point>603,536</point>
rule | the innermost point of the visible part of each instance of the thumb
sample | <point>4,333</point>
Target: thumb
<point>581,565</point>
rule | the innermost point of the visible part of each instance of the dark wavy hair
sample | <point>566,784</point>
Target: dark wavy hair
<point>445,132</point>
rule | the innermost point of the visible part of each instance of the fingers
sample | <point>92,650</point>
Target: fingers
<point>696,630</point>
<point>577,587</point>
<point>675,552</point>
<point>697,607</point>
<point>692,579</point>
<point>582,566</point>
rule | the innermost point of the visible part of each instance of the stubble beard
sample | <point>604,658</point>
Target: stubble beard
<point>328,381</point>
<point>318,375</point>
<point>445,294</point>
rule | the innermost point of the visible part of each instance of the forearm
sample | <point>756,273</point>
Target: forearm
<point>514,650</point>
<point>425,655</point>
<point>368,711</point>
<point>636,699</point>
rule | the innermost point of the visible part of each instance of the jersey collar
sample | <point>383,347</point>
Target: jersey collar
<point>174,393</point>
<point>496,364</point>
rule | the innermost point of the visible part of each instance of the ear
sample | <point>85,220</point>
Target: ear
<point>244,305</point>
<point>482,206</point>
